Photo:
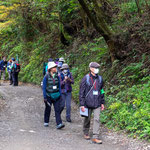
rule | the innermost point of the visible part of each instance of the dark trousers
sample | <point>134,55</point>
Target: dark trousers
<point>66,101</point>
<point>15,78</point>
<point>2,72</point>
<point>56,105</point>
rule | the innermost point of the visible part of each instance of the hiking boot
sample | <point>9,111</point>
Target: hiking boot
<point>87,137</point>
<point>68,120</point>
<point>96,141</point>
<point>60,126</point>
<point>46,124</point>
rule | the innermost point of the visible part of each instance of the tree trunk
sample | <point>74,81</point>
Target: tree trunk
<point>101,27</point>
<point>138,7</point>
<point>83,16</point>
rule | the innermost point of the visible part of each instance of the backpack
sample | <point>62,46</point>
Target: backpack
<point>44,68</point>
<point>88,79</point>
<point>16,68</point>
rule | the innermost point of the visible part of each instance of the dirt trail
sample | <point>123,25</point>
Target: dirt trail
<point>21,126</point>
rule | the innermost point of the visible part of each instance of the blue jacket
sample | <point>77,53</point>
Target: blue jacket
<point>45,85</point>
<point>9,67</point>
<point>3,65</point>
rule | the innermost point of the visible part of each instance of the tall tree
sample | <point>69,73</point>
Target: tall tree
<point>101,26</point>
<point>138,6</point>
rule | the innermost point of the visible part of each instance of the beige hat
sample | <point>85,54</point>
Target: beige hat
<point>94,65</point>
<point>64,66</point>
<point>51,65</point>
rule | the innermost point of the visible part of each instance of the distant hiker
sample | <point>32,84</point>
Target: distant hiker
<point>61,60</point>
<point>60,63</point>
<point>52,95</point>
<point>9,71</point>
<point>15,69</point>
<point>3,65</point>
<point>92,97</point>
<point>66,89</point>
<point>57,61</point>
<point>59,68</point>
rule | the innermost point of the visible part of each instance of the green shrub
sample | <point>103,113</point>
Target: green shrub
<point>130,110</point>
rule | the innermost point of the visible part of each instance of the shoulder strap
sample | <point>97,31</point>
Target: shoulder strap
<point>87,79</point>
<point>100,79</point>
<point>62,76</point>
<point>90,89</point>
<point>69,75</point>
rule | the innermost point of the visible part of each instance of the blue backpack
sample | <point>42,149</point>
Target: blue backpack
<point>88,79</point>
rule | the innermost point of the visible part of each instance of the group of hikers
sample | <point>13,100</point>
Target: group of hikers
<point>13,69</point>
<point>57,89</point>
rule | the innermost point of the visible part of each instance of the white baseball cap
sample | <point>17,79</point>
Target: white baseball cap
<point>61,59</point>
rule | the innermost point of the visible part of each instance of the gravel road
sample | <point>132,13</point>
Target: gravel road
<point>21,126</point>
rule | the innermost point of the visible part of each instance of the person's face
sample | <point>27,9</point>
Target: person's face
<point>54,70</point>
<point>4,58</point>
<point>92,69</point>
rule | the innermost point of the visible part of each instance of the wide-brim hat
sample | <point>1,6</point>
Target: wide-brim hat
<point>51,65</point>
<point>94,65</point>
<point>64,66</point>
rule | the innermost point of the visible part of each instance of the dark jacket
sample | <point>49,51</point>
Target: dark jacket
<point>66,86</point>
<point>3,65</point>
<point>91,101</point>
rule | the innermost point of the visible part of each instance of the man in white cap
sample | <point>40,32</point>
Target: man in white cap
<point>52,95</point>
<point>92,97</point>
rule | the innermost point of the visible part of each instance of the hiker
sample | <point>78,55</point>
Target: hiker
<point>9,71</point>
<point>91,96</point>
<point>61,60</point>
<point>59,68</point>
<point>52,95</point>
<point>60,63</point>
<point>15,69</point>
<point>56,61</point>
<point>3,65</point>
<point>66,89</point>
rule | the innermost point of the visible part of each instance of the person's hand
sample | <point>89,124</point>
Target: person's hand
<point>82,108</point>
<point>102,107</point>
<point>69,79</point>
<point>45,100</point>
<point>66,78</point>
